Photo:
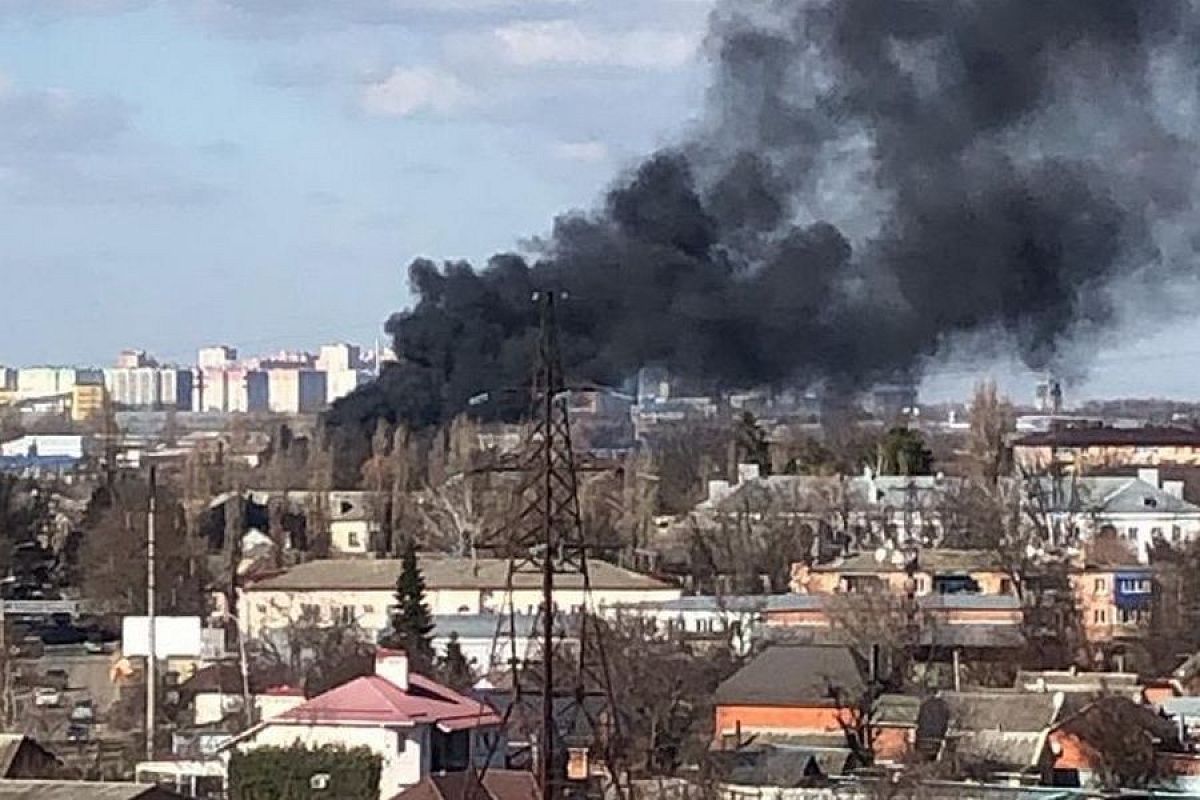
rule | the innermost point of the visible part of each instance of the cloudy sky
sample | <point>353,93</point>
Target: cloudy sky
<point>259,172</point>
<point>175,173</point>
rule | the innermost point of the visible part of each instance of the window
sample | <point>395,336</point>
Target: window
<point>1129,616</point>
<point>1176,533</point>
<point>1131,534</point>
<point>1006,586</point>
<point>1099,586</point>
<point>1135,586</point>
<point>1156,533</point>
<point>1099,616</point>
<point>352,539</point>
<point>345,615</point>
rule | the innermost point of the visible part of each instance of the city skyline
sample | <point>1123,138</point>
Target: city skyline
<point>359,140</point>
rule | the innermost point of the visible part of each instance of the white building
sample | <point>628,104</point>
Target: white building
<point>415,725</point>
<point>217,357</point>
<point>283,390</point>
<point>39,382</point>
<point>344,369</point>
<point>486,640</point>
<point>56,446</point>
<point>222,389</point>
<point>149,387</point>
<point>1141,510</point>
<point>362,591</point>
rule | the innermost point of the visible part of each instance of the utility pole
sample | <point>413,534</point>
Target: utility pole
<point>152,656</point>
<point>578,718</point>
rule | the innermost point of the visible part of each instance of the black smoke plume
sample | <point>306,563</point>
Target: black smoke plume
<point>874,180</point>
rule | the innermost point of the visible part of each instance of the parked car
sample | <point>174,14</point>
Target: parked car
<point>47,697</point>
<point>84,713</point>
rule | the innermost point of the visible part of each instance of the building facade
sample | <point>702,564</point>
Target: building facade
<point>362,591</point>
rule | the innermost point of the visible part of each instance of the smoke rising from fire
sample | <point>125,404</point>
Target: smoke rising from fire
<point>872,181</point>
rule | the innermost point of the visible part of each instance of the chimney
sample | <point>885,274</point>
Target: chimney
<point>392,666</point>
<point>1173,488</point>
<point>1149,476</point>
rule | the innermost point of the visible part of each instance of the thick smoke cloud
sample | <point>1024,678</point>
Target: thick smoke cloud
<point>873,180</point>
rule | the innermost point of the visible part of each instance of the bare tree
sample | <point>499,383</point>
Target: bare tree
<point>992,420</point>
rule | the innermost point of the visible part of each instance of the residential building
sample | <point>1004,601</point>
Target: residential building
<point>285,390</point>
<point>23,758</point>
<point>84,790</point>
<point>1115,602</point>
<point>45,445</point>
<point>865,508</point>
<point>150,387</point>
<point>417,726</point>
<point>134,359</point>
<point>1144,511</point>
<point>497,784</point>
<point>1080,739</point>
<point>1089,449</point>
<point>216,357</point>
<point>363,590</point>
<point>344,369</point>
<point>349,519</point>
<point>487,641</point>
<point>216,692</point>
<point>223,389</point>
<point>997,735</point>
<point>45,382</point>
<point>790,693</point>
<point>929,571</point>
<point>88,402</point>
<point>8,380</point>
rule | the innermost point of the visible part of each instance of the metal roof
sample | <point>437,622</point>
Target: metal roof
<point>442,573</point>
<point>791,675</point>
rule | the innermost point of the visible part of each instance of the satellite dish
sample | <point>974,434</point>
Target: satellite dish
<point>881,555</point>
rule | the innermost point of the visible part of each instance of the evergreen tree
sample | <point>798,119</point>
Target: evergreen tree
<point>456,672</point>
<point>412,624</point>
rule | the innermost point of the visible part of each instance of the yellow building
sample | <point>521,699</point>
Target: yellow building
<point>88,402</point>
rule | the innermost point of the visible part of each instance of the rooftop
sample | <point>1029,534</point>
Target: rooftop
<point>441,573</point>
<point>1089,437</point>
<point>82,790</point>
<point>497,784</point>
<point>928,560</point>
<point>1111,495</point>
<point>787,675</point>
<point>374,699</point>
<point>793,492</point>
<point>1000,710</point>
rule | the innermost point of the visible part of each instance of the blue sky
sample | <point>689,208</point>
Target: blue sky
<point>173,174</point>
<point>260,172</point>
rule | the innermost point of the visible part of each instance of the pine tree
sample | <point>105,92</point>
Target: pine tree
<point>456,672</point>
<point>412,624</point>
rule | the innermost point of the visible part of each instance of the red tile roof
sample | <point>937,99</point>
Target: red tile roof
<point>375,700</point>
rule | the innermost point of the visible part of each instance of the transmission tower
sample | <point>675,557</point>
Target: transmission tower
<point>570,682</point>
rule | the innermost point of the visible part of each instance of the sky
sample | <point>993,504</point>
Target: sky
<point>260,172</point>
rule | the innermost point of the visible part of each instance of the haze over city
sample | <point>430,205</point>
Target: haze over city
<point>267,176</point>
